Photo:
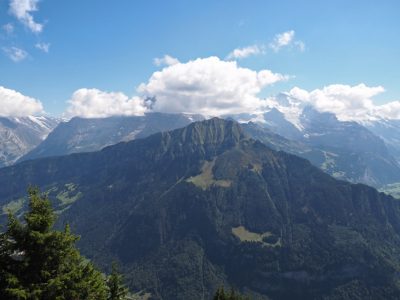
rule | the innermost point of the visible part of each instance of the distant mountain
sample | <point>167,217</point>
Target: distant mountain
<point>188,210</point>
<point>85,135</point>
<point>274,140</point>
<point>352,152</point>
<point>346,150</point>
<point>19,135</point>
<point>389,131</point>
<point>277,122</point>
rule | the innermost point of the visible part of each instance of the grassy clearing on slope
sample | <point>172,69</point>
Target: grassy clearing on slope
<point>69,195</point>
<point>13,206</point>
<point>266,238</point>
<point>206,178</point>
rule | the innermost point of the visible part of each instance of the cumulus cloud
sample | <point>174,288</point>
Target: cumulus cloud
<point>93,103</point>
<point>22,10</point>
<point>389,110</point>
<point>15,54</point>
<point>239,53</point>
<point>166,60</point>
<point>14,104</point>
<point>208,86</point>
<point>348,103</point>
<point>286,39</point>
<point>45,47</point>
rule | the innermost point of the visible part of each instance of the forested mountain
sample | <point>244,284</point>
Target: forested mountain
<point>188,210</point>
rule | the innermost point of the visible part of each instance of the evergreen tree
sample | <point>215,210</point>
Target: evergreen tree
<point>37,262</point>
<point>116,288</point>
<point>220,294</point>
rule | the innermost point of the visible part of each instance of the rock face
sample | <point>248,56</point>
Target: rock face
<point>86,135</point>
<point>389,131</point>
<point>20,135</point>
<point>188,210</point>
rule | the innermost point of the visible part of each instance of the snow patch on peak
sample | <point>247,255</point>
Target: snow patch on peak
<point>19,135</point>
<point>39,121</point>
<point>290,107</point>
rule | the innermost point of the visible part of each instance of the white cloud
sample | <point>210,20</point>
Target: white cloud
<point>45,47</point>
<point>239,53</point>
<point>22,10</point>
<point>15,54</point>
<point>389,110</point>
<point>281,40</point>
<point>348,103</point>
<point>166,60</point>
<point>93,103</point>
<point>14,104</point>
<point>286,39</point>
<point>8,28</point>
<point>208,86</point>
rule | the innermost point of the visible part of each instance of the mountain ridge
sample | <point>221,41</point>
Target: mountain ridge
<point>86,135</point>
<point>188,210</point>
<point>345,150</point>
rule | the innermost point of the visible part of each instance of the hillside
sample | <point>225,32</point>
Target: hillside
<point>187,210</point>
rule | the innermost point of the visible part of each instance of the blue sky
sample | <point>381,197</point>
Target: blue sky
<point>111,45</point>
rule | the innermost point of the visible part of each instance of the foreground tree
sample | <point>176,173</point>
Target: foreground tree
<point>220,294</point>
<point>37,262</point>
<point>116,288</point>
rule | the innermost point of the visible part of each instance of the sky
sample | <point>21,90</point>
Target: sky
<point>97,58</point>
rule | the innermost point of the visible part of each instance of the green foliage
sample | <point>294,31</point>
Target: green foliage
<point>116,288</point>
<point>220,294</point>
<point>37,262</point>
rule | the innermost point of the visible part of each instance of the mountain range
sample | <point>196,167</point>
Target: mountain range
<point>85,135</point>
<point>345,150</point>
<point>188,210</point>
